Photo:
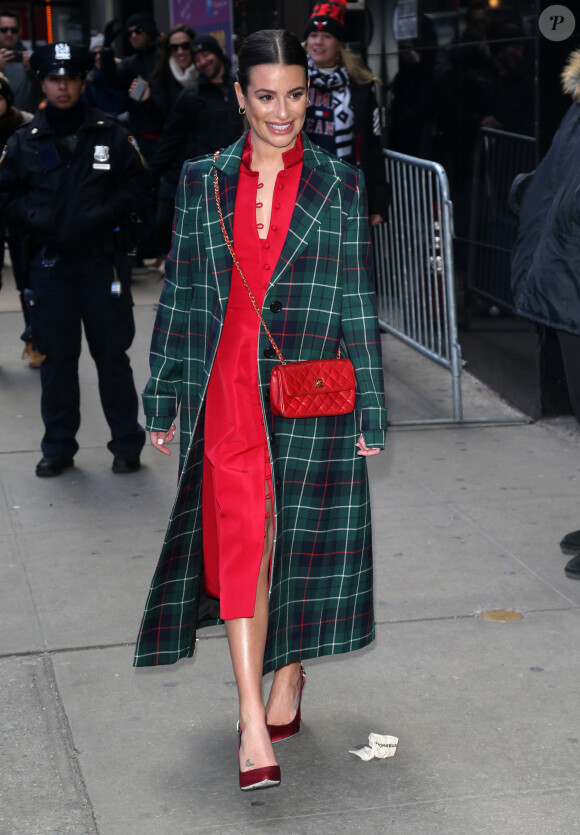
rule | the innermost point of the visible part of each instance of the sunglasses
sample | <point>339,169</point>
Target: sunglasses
<point>184,45</point>
<point>14,29</point>
<point>137,30</point>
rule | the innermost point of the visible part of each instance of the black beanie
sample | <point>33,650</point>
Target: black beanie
<point>144,20</point>
<point>207,43</point>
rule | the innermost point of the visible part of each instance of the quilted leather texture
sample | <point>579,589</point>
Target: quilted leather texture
<point>315,388</point>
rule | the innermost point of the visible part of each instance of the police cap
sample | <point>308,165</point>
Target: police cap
<point>62,59</point>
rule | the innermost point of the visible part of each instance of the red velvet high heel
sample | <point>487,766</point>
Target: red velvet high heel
<point>258,778</point>
<point>279,732</point>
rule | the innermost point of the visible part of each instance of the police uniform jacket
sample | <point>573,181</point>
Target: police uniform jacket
<point>320,295</point>
<point>71,201</point>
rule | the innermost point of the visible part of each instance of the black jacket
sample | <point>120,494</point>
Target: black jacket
<point>75,203</point>
<point>546,258</point>
<point>204,118</point>
<point>142,120</point>
<point>367,146</point>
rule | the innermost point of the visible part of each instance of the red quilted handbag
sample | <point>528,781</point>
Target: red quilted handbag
<point>311,388</point>
<point>314,388</point>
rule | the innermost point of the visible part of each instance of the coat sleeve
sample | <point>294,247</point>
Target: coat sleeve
<point>360,324</point>
<point>162,394</point>
<point>174,137</point>
<point>12,186</point>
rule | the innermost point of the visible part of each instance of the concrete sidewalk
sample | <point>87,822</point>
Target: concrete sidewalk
<point>466,520</point>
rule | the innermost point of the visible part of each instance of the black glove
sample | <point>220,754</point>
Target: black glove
<point>112,29</point>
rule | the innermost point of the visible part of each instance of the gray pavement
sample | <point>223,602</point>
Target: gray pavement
<point>466,520</point>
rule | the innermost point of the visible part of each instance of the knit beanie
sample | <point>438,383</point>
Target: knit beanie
<point>6,90</point>
<point>328,16</point>
<point>144,20</point>
<point>207,43</point>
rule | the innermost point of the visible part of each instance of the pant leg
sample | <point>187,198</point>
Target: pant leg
<point>57,323</point>
<point>570,347</point>
<point>109,329</point>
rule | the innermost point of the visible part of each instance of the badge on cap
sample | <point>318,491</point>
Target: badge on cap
<point>101,160</point>
<point>61,52</point>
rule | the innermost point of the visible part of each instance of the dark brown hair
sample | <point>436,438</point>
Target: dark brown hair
<point>269,46</point>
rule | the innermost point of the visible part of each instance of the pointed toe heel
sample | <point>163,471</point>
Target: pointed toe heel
<point>258,778</point>
<point>280,732</point>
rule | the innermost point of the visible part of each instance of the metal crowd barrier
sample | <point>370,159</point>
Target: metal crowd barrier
<point>413,255</point>
<point>499,157</point>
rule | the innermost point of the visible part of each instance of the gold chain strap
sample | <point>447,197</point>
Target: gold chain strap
<point>237,263</point>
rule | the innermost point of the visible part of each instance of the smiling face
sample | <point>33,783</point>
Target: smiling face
<point>323,48</point>
<point>179,49</point>
<point>275,104</point>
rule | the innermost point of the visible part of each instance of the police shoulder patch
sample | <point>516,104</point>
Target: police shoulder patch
<point>133,142</point>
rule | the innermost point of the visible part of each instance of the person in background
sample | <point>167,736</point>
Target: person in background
<point>174,72</point>
<point>546,256</point>
<point>344,116</point>
<point>133,75</point>
<point>12,118</point>
<point>97,94</point>
<point>68,179</point>
<point>205,117</point>
<point>15,64</point>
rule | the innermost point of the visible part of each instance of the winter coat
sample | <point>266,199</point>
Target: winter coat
<point>205,117</point>
<point>320,295</point>
<point>367,145</point>
<point>142,120</point>
<point>546,258</point>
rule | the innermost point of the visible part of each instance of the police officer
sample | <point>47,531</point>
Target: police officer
<point>69,178</point>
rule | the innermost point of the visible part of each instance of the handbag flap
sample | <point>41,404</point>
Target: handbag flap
<point>317,377</point>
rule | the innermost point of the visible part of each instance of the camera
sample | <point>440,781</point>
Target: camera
<point>17,56</point>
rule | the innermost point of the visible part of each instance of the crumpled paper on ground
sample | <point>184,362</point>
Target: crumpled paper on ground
<point>380,746</point>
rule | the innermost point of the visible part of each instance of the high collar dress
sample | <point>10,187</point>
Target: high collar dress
<point>237,474</point>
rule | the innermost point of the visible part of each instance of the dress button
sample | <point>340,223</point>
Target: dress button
<point>266,267</point>
<point>276,307</point>
<point>266,245</point>
<point>274,228</point>
<point>276,205</point>
<point>269,353</point>
<point>280,186</point>
<point>278,482</point>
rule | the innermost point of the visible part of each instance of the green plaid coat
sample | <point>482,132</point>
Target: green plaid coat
<point>321,578</point>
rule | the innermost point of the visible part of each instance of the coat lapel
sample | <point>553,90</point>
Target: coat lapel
<point>220,260</point>
<point>318,183</point>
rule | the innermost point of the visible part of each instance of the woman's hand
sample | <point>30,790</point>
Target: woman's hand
<point>363,449</point>
<point>374,220</point>
<point>159,439</point>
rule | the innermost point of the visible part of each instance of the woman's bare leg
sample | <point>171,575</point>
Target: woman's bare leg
<point>247,641</point>
<point>283,700</point>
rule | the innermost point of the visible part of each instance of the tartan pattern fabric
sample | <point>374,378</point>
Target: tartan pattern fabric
<point>321,577</point>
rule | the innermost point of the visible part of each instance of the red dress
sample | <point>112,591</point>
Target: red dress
<point>236,461</point>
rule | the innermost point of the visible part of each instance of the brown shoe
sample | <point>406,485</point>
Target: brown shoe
<point>35,358</point>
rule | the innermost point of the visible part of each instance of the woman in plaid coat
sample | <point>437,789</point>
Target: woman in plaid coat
<point>314,591</point>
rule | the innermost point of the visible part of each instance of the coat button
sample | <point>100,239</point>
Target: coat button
<point>276,307</point>
<point>272,438</point>
<point>267,394</point>
<point>278,482</point>
<point>269,353</point>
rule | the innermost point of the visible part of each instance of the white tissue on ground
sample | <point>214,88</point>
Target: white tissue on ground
<point>380,747</point>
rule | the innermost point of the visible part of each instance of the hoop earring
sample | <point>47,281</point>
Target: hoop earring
<point>308,103</point>
<point>242,111</point>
